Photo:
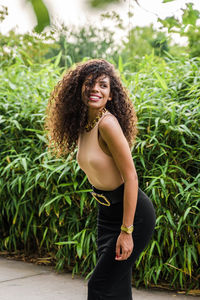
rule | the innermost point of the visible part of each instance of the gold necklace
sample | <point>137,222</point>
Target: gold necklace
<point>90,125</point>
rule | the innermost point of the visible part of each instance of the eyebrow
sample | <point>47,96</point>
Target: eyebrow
<point>103,81</point>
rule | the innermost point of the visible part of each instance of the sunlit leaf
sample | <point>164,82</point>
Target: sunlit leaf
<point>41,13</point>
<point>102,3</point>
<point>165,1</point>
<point>190,15</point>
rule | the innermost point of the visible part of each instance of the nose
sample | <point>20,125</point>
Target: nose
<point>95,87</point>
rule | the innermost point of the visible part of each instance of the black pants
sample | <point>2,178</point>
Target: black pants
<point>111,279</point>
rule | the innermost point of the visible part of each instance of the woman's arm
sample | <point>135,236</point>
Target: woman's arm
<point>117,144</point>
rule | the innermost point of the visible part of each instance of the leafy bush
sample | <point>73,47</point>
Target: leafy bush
<point>89,41</point>
<point>167,159</point>
<point>41,200</point>
<point>45,206</point>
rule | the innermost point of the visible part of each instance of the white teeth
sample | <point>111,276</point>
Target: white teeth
<point>95,98</point>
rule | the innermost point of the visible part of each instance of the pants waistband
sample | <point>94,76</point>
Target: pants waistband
<point>115,196</point>
<point>108,197</point>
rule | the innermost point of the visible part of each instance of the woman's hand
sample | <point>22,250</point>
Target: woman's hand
<point>124,246</point>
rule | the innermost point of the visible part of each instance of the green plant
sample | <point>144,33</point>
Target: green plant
<point>167,160</point>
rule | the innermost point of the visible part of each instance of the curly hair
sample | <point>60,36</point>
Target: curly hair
<point>66,114</point>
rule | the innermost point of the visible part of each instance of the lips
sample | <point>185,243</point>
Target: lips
<point>94,97</point>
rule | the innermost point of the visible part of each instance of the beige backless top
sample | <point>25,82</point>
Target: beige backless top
<point>99,167</point>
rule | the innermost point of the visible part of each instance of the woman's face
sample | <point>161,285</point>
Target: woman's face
<point>97,95</point>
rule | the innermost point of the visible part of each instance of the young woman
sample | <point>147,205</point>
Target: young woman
<point>90,108</point>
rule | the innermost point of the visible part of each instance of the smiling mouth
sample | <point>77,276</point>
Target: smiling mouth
<point>94,98</point>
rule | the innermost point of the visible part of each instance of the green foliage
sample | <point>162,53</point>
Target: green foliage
<point>160,44</point>
<point>194,41</point>
<point>140,42</point>
<point>190,15</point>
<point>101,3</point>
<point>167,160</point>
<point>187,27</point>
<point>42,199</point>
<point>3,12</point>
<point>88,41</point>
<point>45,205</point>
<point>165,1</point>
<point>30,47</point>
<point>41,13</point>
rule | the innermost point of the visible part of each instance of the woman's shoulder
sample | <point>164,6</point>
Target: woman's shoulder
<point>107,118</point>
<point>109,122</point>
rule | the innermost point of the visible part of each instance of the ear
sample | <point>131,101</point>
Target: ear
<point>110,98</point>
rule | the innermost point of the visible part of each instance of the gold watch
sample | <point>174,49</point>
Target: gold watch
<point>128,229</point>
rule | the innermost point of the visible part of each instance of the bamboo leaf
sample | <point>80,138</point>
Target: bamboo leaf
<point>66,243</point>
<point>161,80</point>
<point>79,250</point>
<point>41,13</point>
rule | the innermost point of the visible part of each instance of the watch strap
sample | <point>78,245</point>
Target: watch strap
<point>128,229</point>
